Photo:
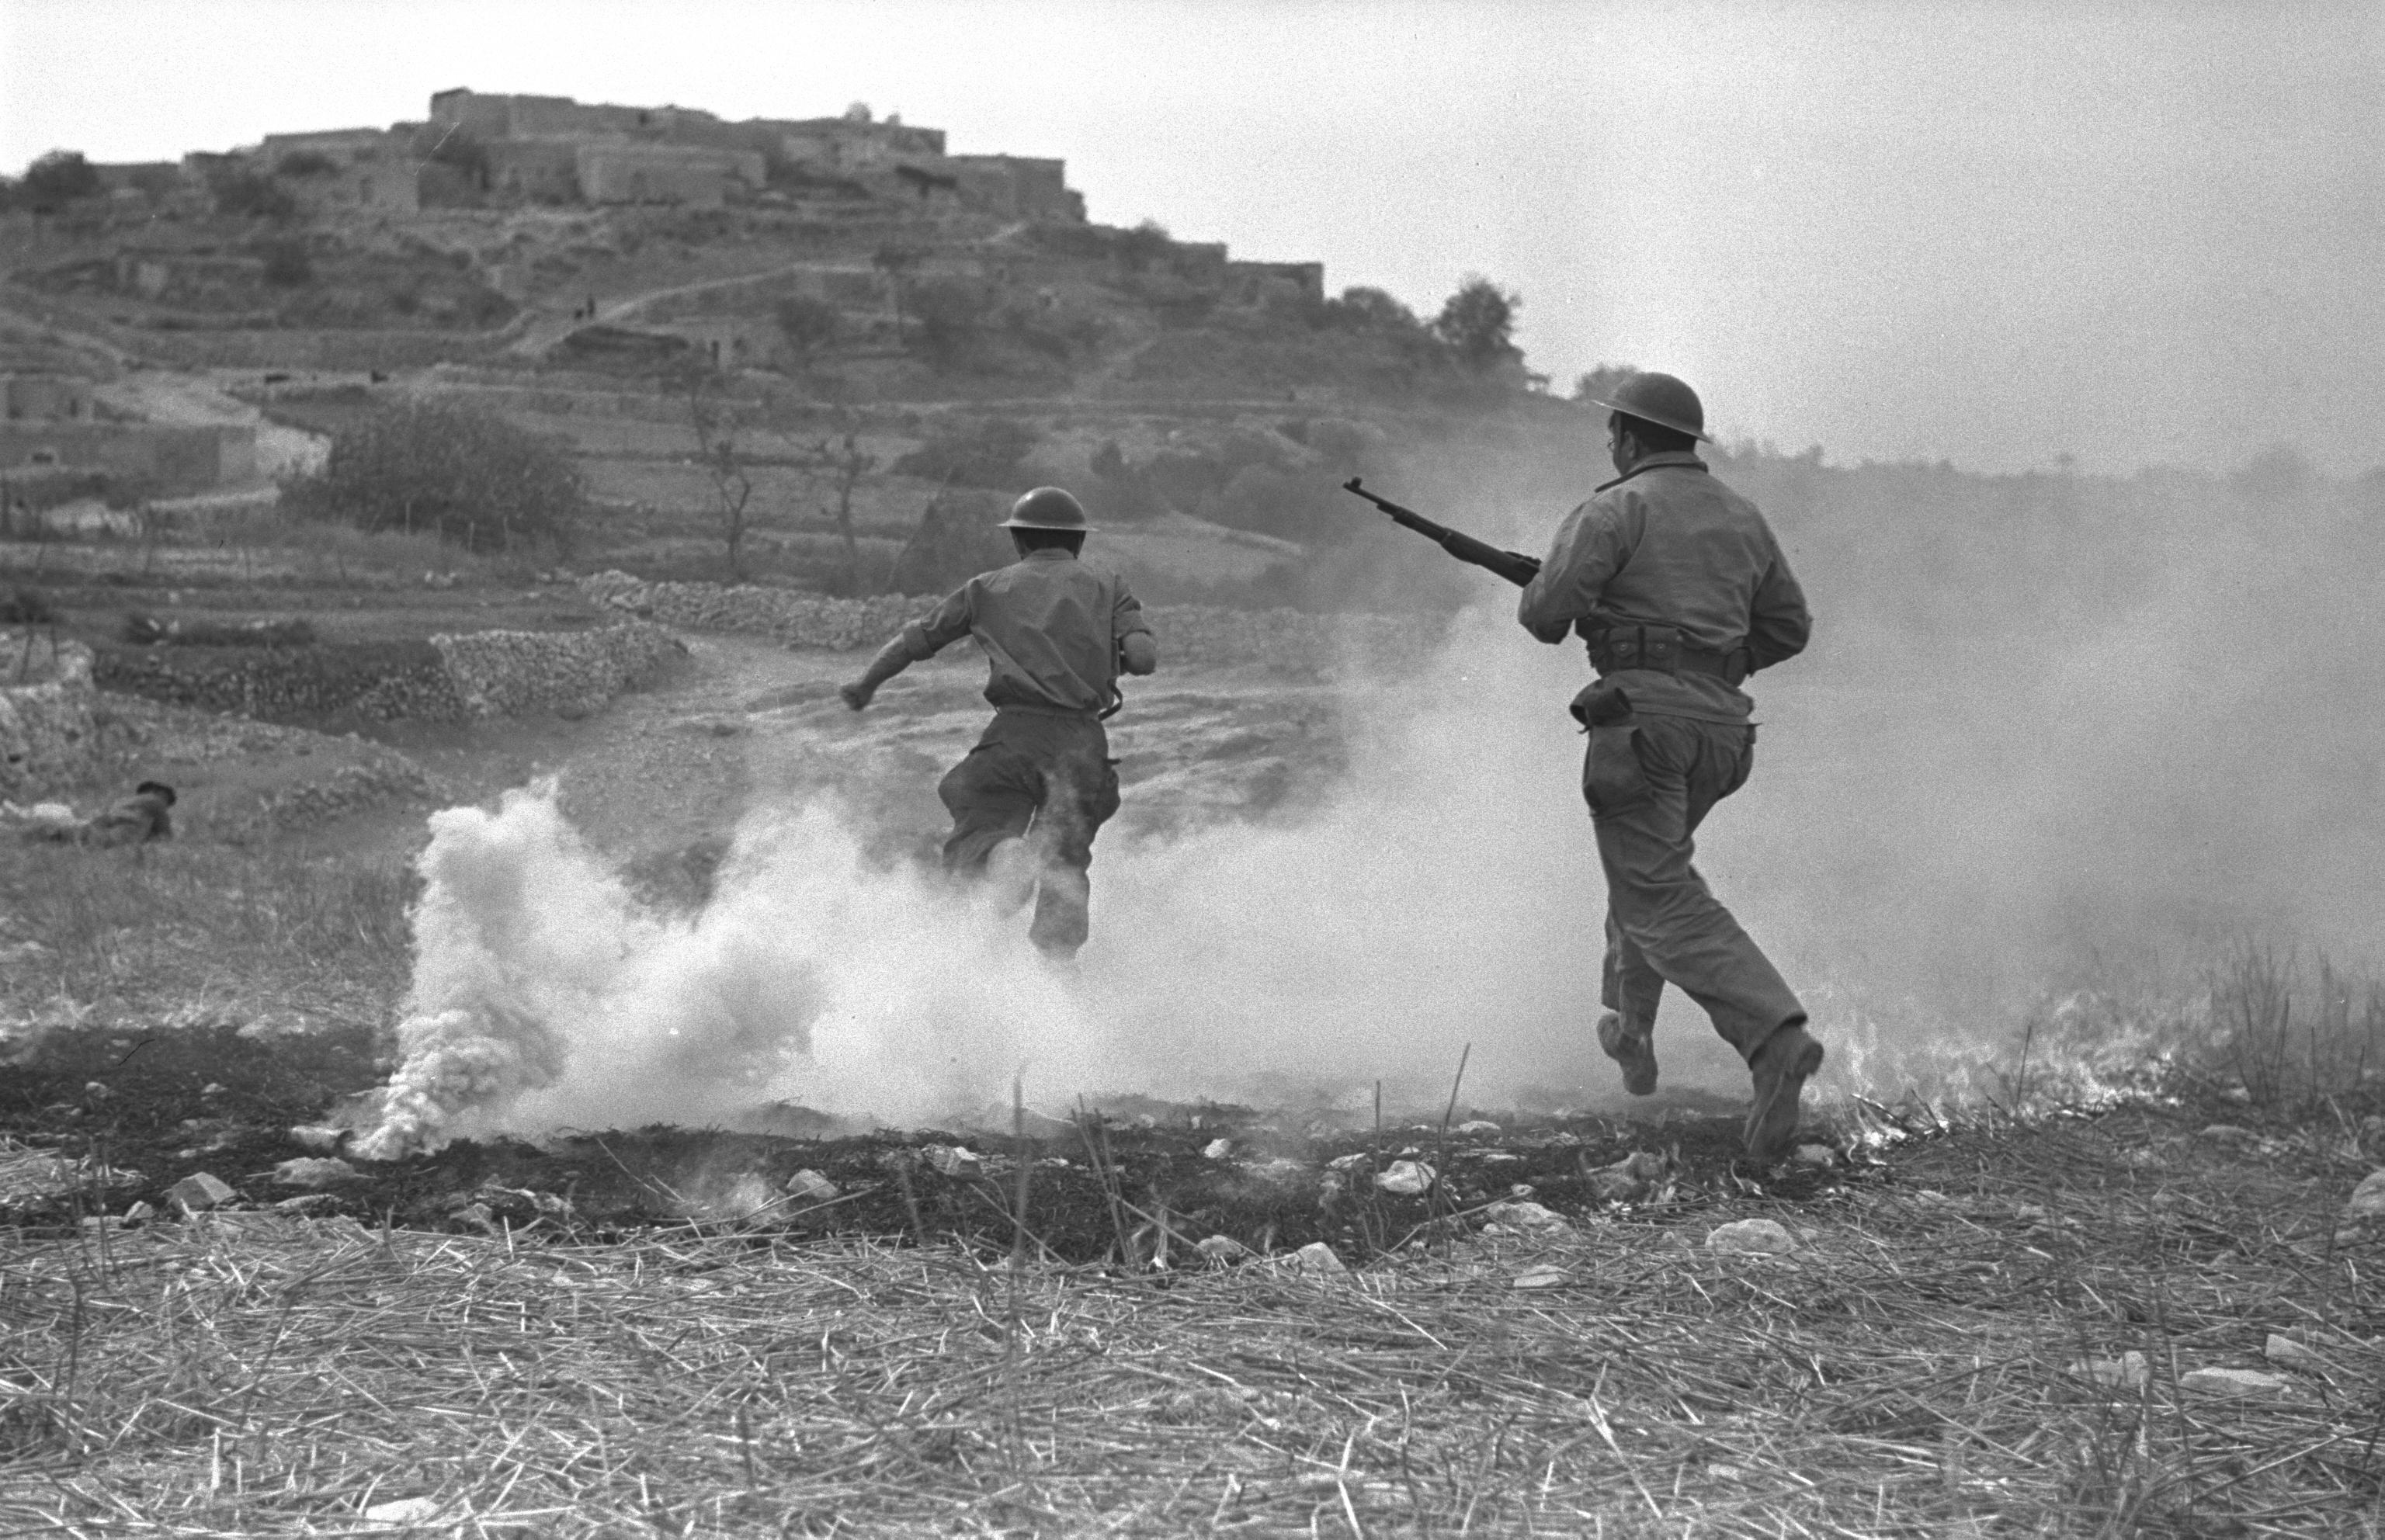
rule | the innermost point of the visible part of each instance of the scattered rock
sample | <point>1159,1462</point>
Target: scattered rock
<point>313,1171</point>
<point>2232,1382</point>
<point>1217,1150</point>
<point>307,1203</point>
<point>318,1136</point>
<point>951,1160</point>
<point>1319,1258</point>
<point>1752,1238</point>
<point>1344,1163</point>
<point>1516,1215</point>
<point>211,1088</point>
<point>2228,1133</point>
<point>2366,1204</point>
<point>811,1187</point>
<point>1479,1128</point>
<point>2129,1371</point>
<point>406,1511</point>
<point>199,1191</point>
<point>1222,1251</point>
<point>2373,1127</point>
<point>2285,1352</point>
<point>140,1214</point>
<point>480,1214</point>
<point>1815,1155</point>
<point>2237,1094</point>
<point>1540,1277</point>
<point>1407,1178</point>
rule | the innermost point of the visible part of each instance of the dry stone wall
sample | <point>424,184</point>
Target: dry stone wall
<point>783,615</point>
<point>48,731</point>
<point>446,679</point>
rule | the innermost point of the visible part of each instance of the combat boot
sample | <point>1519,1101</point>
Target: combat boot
<point>1780,1069</point>
<point>1633,1049</point>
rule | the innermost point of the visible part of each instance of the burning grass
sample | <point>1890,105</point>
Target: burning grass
<point>1915,1366</point>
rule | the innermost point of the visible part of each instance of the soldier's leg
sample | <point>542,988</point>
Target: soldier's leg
<point>991,795</point>
<point>1638,782</point>
<point>1084,797</point>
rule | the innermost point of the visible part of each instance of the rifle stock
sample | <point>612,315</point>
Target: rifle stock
<point>1514,565</point>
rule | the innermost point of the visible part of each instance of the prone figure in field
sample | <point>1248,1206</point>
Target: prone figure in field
<point>1027,801</point>
<point>133,820</point>
<point>1681,589</point>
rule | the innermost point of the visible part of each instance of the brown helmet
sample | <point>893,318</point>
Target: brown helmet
<point>1660,399</point>
<point>1047,508</point>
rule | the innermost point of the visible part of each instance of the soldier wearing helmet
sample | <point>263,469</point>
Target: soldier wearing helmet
<point>1681,591</point>
<point>1028,800</point>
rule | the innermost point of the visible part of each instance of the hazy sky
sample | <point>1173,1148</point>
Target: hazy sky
<point>2141,234</point>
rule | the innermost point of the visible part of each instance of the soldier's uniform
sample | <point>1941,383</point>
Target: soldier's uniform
<point>1052,627</point>
<point>1681,589</point>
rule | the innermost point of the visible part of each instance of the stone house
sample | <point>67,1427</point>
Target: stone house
<point>44,397</point>
<point>1018,187</point>
<point>685,174</point>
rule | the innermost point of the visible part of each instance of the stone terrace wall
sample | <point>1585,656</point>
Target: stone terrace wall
<point>446,679</point>
<point>48,731</point>
<point>1199,635</point>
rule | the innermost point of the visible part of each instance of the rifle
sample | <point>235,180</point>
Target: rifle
<point>1514,565</point>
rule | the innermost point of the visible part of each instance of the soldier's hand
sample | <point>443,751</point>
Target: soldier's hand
<point>854,695</point>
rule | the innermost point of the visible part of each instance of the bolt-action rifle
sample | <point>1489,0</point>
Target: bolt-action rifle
<point>1514,565</point>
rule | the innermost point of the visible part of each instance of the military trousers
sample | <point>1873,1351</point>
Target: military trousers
<point>1047,778</point>
<point>1650,781</point>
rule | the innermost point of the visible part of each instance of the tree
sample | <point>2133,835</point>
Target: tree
<point>1369,309</point>
<point>840,461</point>
<point>1477,321</point>
<point>808,325</point>
<point>1147,243</point>
<point>1600,382</point>
<point>716,450</point>
<point>422,468</point>
<point>57,179</point>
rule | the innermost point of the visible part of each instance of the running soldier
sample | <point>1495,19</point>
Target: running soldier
<point>1678,587</point>
<point>1028,800</point>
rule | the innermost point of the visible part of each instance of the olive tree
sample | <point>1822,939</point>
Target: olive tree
<point>465,477</point>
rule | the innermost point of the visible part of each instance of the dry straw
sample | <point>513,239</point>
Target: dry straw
<point>1908,1371</point>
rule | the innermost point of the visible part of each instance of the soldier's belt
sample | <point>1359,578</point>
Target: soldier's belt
<point>1661,648</point>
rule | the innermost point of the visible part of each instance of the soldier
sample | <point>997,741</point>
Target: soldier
<point>1678,587</point>
<point>133,820</point>
<point>1028,800</point>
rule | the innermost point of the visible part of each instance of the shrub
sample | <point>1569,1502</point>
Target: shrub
<point>306,163</point>
<point>240,191</point>
<point>476,481</point>
<point>57,179</point>
<point>807,323</point>
<point>286,263</point>
<point>1478,322</point>
<point>983,452</point>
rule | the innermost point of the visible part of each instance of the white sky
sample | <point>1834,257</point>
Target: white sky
<point>2140,233</point>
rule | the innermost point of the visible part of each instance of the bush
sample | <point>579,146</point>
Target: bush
<point>57,179</point>
<point>985,453</point>
<point>286,263</point>
<point>306,163</point>
<point>807,324</point>
<point>240,191</point>
<point>473,480</point>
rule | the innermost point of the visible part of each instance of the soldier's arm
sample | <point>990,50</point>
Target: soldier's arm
<point>1586,554</point>
<point>1138,651</point>
<point>1777,624</point>
<point>917,642</point>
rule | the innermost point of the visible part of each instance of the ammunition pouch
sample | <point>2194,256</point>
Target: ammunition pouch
<point>1661,649</point>
<point>1600,702</point>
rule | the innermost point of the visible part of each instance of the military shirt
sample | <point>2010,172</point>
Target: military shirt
<point>1668,544</point>
<point>1050,626</point>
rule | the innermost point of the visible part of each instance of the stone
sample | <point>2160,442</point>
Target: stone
<point>2231,1382</point>
<point>1540,1277</point>
<point>2129,1371</point>
<point>953,1160</point>
<point>1223,1250</point>
<point>200,1191</point>
<point>2373,1127</point>
<point>1217,1150</point>
<point>1752,1238</point>
<point>1479,1128</point>
<point>404,1510</point>
<point>1628,1178</point>
<point>1344,1163</point>
<point>321,1137</point>
<point>2367,1204</point>
<point>307,1203</point>
<point>313,1171</point>
<point>1815,1155</point>
<point>1319,1258</point>
<point>811,1187</point>
<point>211,1088</point>
<point>140,1214</point>
<point>1406,1178</point>
<point>1517,1215</point>
<point>2286,1353</point>
<point>2228,1133</point>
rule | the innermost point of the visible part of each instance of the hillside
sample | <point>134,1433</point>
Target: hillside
<point>604,276</point>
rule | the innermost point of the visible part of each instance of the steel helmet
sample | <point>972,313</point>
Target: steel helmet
<point>1660,399</point>
<point>1046,508</point>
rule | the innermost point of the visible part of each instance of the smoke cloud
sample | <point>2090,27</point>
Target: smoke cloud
<point>2053,732</point>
